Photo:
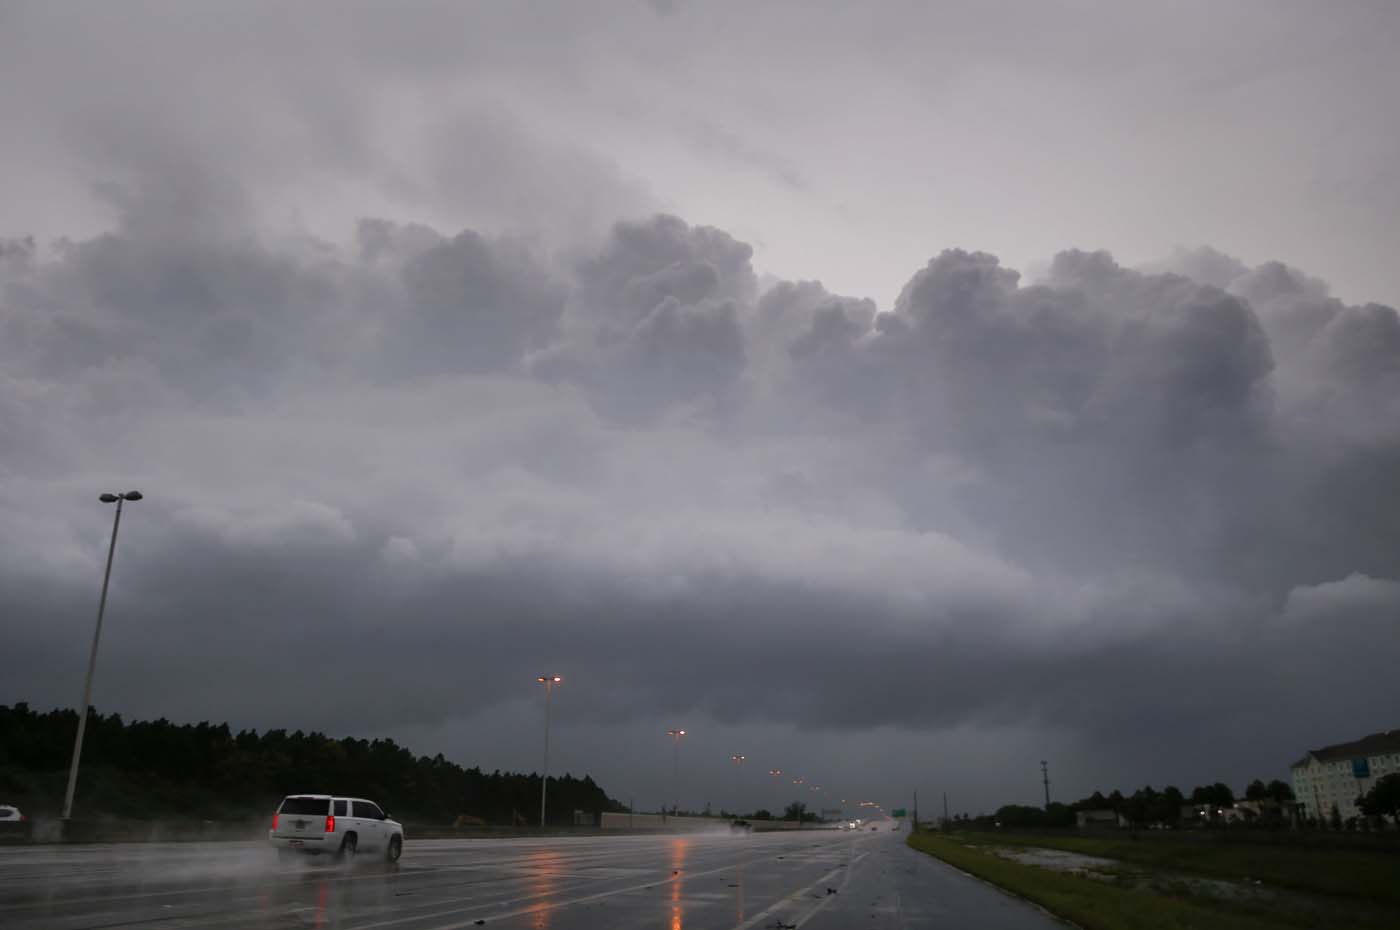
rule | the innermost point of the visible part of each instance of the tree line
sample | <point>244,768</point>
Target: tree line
<point>1144,807</point>
<point>156,768</point>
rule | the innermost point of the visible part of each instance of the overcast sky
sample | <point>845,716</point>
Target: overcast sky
<point>898,393</point>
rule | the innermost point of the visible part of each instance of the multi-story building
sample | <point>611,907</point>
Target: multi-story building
<point>1338,775</point>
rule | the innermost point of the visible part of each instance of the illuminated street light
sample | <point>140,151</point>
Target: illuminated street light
<point>549,681</point>
<point>676,764</point>
<point>738,760</point>
<point>117,499</point>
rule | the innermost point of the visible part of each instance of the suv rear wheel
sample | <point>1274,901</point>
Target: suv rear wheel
<point>394,849</point>
<point>348,847</point>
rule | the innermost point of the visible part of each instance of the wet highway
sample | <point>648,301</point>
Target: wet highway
<point>822,880</point>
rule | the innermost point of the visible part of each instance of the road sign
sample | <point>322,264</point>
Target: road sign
<point>897,812</point>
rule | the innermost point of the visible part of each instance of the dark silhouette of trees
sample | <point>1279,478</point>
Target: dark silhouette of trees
<point>1383,800</point>
<point>797,810</point>
<point>1218,794</point>
<point>153,768</point>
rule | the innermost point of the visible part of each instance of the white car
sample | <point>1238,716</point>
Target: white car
<point>10,814</point>
<point>344,827</point>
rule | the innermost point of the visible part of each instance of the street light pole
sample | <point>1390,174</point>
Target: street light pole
<point>738,760</point>
<point>118,499</point>
<point>676,765</point>
<point>549,681</point>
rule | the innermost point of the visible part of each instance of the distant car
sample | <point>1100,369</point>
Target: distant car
<point>10,814</point>
<point>740,826</point>
<point>321,824</point>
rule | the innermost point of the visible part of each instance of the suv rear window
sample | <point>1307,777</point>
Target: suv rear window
<point>314,806</point>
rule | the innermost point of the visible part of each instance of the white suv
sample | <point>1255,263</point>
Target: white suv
<point>320,823</point>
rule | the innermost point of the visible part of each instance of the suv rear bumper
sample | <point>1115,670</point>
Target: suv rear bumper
<point>328,842</point>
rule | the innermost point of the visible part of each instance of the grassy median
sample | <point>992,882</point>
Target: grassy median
<point>1148,893</point>
<point>1372,877</point>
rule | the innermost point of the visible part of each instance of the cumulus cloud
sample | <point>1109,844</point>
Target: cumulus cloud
<point>475,428</point>
<point>655,320</point>
<point>998,503</point>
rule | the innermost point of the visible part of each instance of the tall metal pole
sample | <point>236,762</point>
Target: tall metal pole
<point>549,681</point>
<point>1045,776</point>
<point>738,760</point>
<point>92,665</point>
<point>676,735</point>
<point>544,779</point>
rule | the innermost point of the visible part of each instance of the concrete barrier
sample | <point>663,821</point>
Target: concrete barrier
<point>665,823</point>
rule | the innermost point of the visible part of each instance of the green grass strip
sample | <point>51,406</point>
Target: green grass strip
<point>1092,904</point>
<point>1371,877</point>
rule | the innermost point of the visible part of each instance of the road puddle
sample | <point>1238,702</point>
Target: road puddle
<point>1130,875</point>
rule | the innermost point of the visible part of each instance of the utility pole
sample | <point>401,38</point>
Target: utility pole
<point>1045,776</point>
<point>916,813</point>
<point>945,810</point>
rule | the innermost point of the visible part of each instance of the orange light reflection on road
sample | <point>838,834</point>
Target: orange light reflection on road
<point>739,880</point>
<point>544,872</point>
<point>678,850</point>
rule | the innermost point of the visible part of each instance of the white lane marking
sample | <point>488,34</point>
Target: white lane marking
<point>546,905</point>
<point>263,882</point>
<point>534,908</point>
<point>799,894</point>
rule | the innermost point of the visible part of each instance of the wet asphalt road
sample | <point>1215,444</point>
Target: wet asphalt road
<point>758,882</point>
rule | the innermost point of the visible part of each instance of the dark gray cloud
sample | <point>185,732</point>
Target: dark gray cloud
<point>1001,507</point>
<point>349,298</point>
<point>655,321</point>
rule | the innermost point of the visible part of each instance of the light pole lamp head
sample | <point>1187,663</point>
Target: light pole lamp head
<point>738,758</point>
<point>109,498</point>
<point>133,495</point>
<point>549,679</point>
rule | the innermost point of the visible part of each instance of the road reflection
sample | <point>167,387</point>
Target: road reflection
<point>679,848</point>
<point>323,896</point>
<point>739,889</point>
<point>543,865</point>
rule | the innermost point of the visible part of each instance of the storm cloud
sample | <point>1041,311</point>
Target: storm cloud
<point>1140,516</point>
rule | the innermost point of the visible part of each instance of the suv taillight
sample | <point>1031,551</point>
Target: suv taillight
<point>330,823</point>
<point>274,823</point>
